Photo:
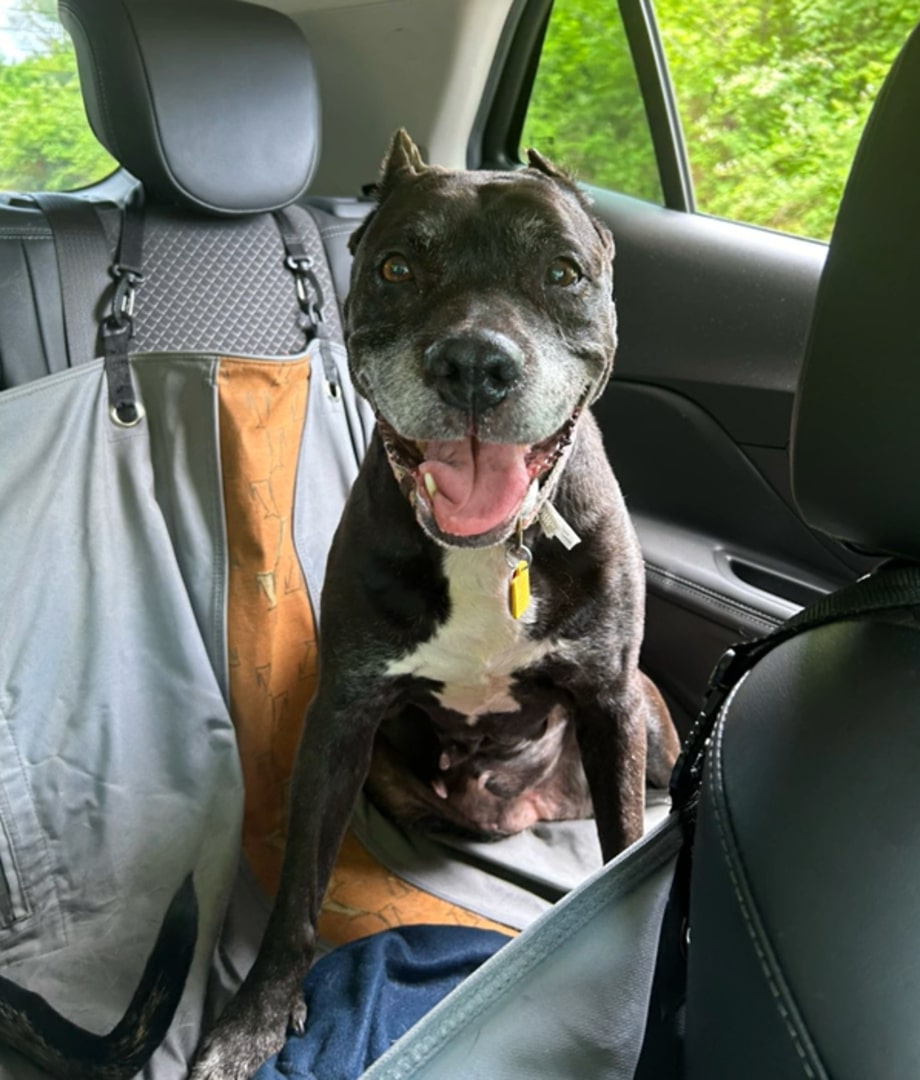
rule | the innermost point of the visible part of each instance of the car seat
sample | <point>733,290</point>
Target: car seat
<point>178,435</point>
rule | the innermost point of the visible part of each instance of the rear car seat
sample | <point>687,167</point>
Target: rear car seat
<point>215,156</point>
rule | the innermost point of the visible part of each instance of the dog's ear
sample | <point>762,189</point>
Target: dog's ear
<point>537,161</point>
<point>605,234</point>
<point>402,159</point>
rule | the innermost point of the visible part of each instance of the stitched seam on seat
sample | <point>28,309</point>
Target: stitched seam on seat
<point>339,230</point>
<point>782,998</point>
<point>733,607</point>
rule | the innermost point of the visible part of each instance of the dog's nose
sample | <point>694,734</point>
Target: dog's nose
<point>474,371</point>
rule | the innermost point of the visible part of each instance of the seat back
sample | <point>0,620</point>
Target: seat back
<point>214,108</point>
<point>164,577</point>
<point>803,944</point>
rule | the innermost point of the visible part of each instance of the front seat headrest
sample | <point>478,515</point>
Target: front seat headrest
<point>212,104</point>
<point>856,429</point>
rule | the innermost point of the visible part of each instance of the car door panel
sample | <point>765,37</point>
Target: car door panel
<point>713,322</point>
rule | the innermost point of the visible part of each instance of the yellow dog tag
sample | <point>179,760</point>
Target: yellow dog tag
<point>519,589</point>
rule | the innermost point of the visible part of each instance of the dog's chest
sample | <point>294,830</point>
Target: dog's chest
<point>475,652</point>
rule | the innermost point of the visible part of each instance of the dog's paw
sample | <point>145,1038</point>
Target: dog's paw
<point>247,1034</point>
<point>297,1021</point>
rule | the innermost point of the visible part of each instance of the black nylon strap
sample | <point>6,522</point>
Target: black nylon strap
<point>83,257</point>
<point>118,327</point>
<point>894,586</point>
<point>309,291</point>
<point>131,241</point>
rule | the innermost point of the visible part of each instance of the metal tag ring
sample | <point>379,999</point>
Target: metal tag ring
<point>518,553</point>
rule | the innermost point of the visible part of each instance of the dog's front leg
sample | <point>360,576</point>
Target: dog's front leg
<point>611,730</point>
<point>332,763</point>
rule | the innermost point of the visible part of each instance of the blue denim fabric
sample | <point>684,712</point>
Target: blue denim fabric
<point>363,996</point>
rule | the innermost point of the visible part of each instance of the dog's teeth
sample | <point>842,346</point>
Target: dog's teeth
<point>444,761</point>
<point>440,788</point>
<point>430,486</point>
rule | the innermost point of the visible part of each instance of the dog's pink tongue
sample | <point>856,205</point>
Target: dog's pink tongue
<point>478,485</point>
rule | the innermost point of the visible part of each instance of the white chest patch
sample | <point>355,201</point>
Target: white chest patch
<point>474,653</point>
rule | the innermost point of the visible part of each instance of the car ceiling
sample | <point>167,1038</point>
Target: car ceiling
<point>383,64</point>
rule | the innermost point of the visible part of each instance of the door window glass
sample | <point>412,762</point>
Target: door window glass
<point>585,111</point>
<point>45,140</point>
<point>772,97</point>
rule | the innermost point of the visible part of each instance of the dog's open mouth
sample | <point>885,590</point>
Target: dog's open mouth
<point>471,493</point>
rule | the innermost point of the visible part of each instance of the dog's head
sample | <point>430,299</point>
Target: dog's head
<point>480,323</point>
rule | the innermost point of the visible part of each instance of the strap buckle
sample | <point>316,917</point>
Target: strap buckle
<point>127,281</point>
<point>688,770</point>
<point>309,291</point>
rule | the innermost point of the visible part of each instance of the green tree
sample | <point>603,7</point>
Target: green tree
<point>586,112</point>
<point>772,95</point>
<point>45,140</point>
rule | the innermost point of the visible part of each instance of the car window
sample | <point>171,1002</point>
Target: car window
<point>585,110</point>
<point>772,99</point>
<point>45,140</point>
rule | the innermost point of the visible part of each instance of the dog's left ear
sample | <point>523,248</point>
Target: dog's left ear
<point>537,161</point>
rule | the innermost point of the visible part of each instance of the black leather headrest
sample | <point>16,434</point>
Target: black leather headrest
<point>211,103</point>
<point>856,430</point>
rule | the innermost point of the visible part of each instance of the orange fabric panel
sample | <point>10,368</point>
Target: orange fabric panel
<point>364,897</point>
<point>271,636</point>
<point>271,632</point>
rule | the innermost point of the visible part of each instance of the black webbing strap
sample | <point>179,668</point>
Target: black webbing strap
<point>300,263</point>
<point>892,588</point>
<point>310,294</point>
<point>83,258</point>
<point>118,326</point>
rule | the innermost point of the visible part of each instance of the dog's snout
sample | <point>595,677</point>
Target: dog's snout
<point>473,372</point>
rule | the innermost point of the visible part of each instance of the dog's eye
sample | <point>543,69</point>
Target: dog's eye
<point>562,272</point>
<point>395,269</point>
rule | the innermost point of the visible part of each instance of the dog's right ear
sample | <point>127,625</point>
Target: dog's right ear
<point>403,159</point>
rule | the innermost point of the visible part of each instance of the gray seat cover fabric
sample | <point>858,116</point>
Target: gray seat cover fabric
<point>118,764</point>
<point>566,999</point>
<point>117,775</point>
<point>512,881</point>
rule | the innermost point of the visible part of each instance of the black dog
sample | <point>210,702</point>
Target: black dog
<point>481,327</point>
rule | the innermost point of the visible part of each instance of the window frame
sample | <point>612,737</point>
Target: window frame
<point>495,138</point>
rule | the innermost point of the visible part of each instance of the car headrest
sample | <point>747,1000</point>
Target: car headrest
<point>212,104</point>
<point>856,428</point>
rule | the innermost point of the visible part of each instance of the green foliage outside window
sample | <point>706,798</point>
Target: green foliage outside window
<point>772,95</point>
<point>45,140</point>
<point>586,111</point>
